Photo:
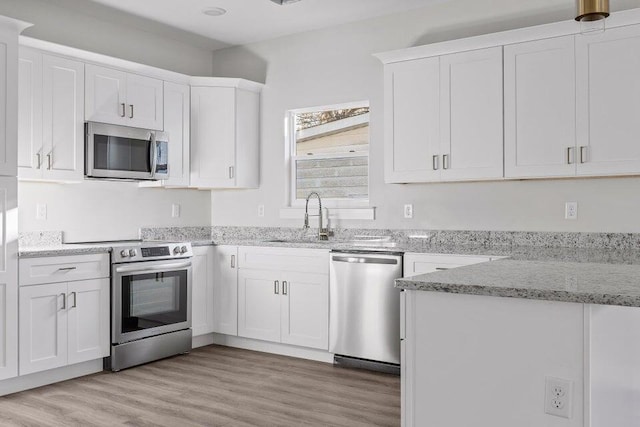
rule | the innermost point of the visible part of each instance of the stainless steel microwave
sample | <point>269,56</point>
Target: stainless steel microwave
<point>120,152</point>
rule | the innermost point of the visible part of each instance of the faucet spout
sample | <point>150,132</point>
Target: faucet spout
<point>323,233</point>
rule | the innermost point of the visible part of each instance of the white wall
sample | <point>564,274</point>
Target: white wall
<point>109,210</point>
<point>335,65</point>
<point>106,210</point>
<point>86,25</point>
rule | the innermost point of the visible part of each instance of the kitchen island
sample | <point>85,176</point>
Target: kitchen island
<point>491,337</point>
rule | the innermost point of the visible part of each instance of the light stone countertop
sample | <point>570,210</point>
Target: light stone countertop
<point>592,283</point>
<point>61,250</point>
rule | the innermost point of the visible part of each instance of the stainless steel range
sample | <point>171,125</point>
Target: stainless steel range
<point>150,302</point>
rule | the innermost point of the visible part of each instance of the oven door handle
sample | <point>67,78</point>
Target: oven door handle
<point>141,270</point>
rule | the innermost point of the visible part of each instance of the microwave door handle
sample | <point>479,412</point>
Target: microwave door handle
<point>154,154</point>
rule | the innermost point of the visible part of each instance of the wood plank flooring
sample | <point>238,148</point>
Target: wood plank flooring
<point>213,386</point>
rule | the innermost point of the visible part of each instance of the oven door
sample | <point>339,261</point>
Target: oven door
<point>150,298</point>
<point>125,153</point>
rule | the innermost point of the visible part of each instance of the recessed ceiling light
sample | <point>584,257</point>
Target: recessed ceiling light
<point>214,11</point>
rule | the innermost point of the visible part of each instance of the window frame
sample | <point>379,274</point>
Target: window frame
<point>291,158</point>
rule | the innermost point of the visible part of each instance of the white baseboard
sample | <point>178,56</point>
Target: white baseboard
<point>39,379</point>
<point>269,347</point>
<point>202,340</point>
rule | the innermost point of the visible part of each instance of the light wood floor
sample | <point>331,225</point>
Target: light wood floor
<point>213,386</point>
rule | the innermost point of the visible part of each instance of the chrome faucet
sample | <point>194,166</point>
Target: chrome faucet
<point>323,233</point>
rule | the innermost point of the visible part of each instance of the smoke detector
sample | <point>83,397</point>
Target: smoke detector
<point>284,2</point>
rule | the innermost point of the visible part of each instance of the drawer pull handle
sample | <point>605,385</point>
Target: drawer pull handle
<point>442,268</point>
<point>284,288</point>
<point>64,301</point>
<point>67,268</point>
<point>75,300</point>
<point>276,287</point>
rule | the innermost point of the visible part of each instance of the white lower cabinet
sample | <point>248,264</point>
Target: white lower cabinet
<point>202,290</point>
<point>225,290</point>
<point>62,324</point>
<point>63,305</point>
<point>284,304</point>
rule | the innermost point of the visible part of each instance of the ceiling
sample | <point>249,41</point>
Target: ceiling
<point>248,21</point>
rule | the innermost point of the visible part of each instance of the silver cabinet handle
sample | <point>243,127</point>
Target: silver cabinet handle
<point>123,113</point>
<point>569,157</point>
<point>233,261</point>
<point>284,288</point>
<point>75,300</point>
<point>39,156</point>
<point>442,268</point>
<point>142,270</point>
<point>435,164</point>
<point>67,268</point>
<point>230,172</point>
<point>131,109</point>
<point>583,157</point>
<point>49,156</point>
<point>64,301</point>
<point>445,161</point>
<point>364,260</point>
<point>276,287</point>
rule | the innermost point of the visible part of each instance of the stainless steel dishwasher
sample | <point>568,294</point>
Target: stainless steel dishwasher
<point>365,309</point>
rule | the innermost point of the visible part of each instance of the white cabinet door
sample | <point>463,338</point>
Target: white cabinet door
<point>8,278</point>
<point>62,119</point>
<point>88,320</point>
<point>540,108</point>
<point>614,365</point>
<point>412,121</point>
<point>105,95</point>
<point>608,66</point>
<point>305,310</point>
<point>213,132</point>
<point>471,115</point>
<point>43,327</point>
<point>259,299</point>
<point>202,290</point>
<point>9,96</point>
<point>30,114</point>
<point>225,290</point>
<point>177,113</point>
<point>144,102</point>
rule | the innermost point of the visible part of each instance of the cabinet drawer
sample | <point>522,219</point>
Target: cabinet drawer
<point>427,263</point>
<point>34,271</point>
<point>284,259</point>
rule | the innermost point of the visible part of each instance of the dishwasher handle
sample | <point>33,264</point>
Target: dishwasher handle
<point>364,260</point>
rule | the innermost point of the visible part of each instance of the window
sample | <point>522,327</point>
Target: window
<point>329,152</point>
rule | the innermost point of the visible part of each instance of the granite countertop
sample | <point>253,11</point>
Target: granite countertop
<point>580,282</point>
<point>61,249</point>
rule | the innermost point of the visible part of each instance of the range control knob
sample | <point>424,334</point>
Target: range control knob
<point>133,252</point>
<point>124,253</point>
<point>183,249</point>
<point>176,250</point>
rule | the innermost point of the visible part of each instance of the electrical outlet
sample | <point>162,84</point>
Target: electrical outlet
<point>260,210</point>
<point>41,211</point>
<point>175,210</point>
<point>408,211</point>
<point>558,397</point>
<point>571,210</point>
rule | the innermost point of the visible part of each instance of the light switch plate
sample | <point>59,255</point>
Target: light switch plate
<point>41,211</point>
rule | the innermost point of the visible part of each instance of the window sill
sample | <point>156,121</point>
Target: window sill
<point>334,213</point>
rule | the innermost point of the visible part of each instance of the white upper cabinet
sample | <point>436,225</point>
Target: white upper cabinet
<point>608,70</point>
<point>120,98</point>
<point>177,113</point>
<point>540,108</point>
<point>412,121</point>
<point>444,118</point>
<point>225,126</point>
<point>471,115</point>
<point>50,119</point>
